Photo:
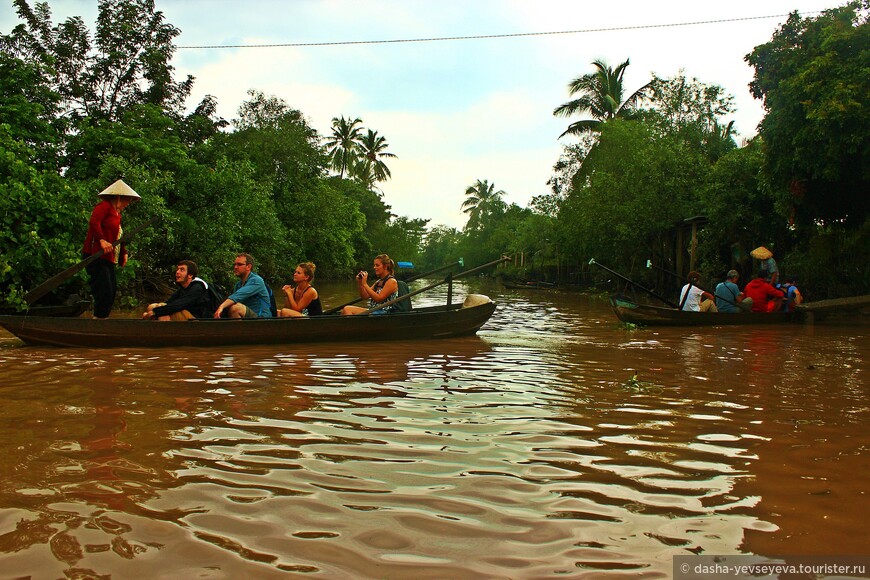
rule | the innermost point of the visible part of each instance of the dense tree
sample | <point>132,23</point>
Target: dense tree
<point>602,96</point>
<point>371,168</point>
<point>127,61</point>
<point>28,108</point>
<point>640,184</point>
<point>41,217</point>
<point>343,145</point>
<point>482,202</point>
<point>813,77</point>
<point>694,111</point>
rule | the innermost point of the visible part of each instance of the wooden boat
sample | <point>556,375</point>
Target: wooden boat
<point>72,308</point>
<point>629,311</point>
<point>530,285</point>
<point>445,321</point>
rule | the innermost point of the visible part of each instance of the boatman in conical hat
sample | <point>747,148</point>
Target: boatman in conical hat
<point>104,229</point>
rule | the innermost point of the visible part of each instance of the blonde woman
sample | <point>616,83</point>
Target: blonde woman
<point>384,289</point>
<point>302,298</point>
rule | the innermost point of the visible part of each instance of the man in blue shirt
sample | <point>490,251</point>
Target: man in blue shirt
<point>250,297</point>
<point>728,295</point>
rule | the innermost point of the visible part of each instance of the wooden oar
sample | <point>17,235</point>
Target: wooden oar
<point>635,284</point>
<point>436,284</point>
<point>59,279</point>
<point>411,279</point>
<point>649,264</point>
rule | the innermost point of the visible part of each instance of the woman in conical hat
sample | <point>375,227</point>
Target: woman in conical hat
<point>768,264</point>
<point>104,229</point>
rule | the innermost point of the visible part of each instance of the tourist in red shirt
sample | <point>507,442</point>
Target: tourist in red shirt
<point>765,298</point>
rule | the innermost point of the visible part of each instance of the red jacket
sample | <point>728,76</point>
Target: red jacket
<point>761,292</point>
<point>105,224</point>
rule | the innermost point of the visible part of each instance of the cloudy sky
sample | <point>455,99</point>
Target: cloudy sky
<point>459,110</point>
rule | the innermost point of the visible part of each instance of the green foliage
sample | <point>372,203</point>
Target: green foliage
<point>639,185</point>
<point>741,212</point>
<point>41,216</point>
<point>692,110</point>
<point>601,95</point>
<point>28,109</point>
<point>815,81</point>
<point>442,246</point>
<point>482,204</point>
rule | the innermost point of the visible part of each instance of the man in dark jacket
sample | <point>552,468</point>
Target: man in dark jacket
<point>191,300</point>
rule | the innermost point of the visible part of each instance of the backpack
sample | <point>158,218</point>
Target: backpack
<point>273,305</point>
<point>404,305</point>
<point>215,296</point>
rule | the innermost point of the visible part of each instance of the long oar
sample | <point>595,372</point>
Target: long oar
<point>59,279</point>
<point>411,279</point>
<point>635,284</point>
<point>649,264</point>
<point>436,284</point>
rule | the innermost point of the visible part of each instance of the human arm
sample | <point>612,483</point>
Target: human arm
<point>183,299</point>
<point>308,295</point>
<point>798,297</point>
<point>223,306</point>
<point>390,287</point>
<point>361,282</point>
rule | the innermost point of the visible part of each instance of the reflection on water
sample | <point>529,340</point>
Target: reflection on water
<point>555,443</point>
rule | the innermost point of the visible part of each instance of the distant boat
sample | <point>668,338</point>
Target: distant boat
<point>833,310</point>
<point>445,321</point>
<point>644,314</point>
<point>530,285</point>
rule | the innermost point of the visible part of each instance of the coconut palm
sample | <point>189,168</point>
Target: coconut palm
<point>601,95</point>
<point>343,148</point>
<point>370,167</point>
<point>481,202</point>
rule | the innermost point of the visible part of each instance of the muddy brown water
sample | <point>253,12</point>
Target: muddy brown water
<point>528,451</point>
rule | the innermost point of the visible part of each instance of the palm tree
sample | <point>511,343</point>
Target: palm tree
<point>370,167</point>
<point>601,95</point>
<point>481,202</point>
<point>343,148</point>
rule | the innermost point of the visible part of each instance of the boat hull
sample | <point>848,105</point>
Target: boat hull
<point>422,323</point>
<point>646,315</point>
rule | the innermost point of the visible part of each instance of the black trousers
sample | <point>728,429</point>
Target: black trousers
<point>103,285</point>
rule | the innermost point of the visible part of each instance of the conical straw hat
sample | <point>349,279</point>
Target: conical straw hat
<point>761,253</point>
<point>120,188</point>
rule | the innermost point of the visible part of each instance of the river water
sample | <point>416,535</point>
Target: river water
<point>528,451</point>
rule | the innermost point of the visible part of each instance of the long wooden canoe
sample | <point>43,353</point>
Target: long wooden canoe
<point>629,311</point>
<point>72,308</point>
<point>444,321</point>
<point>531,285</point>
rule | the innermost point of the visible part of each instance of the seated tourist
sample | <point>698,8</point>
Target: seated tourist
<point>765,298</point>
<point>302,298</point>
<point>384,289</point>
<point>251,297</point>
<point>729,298</point>
<point>792,294</point>
<point>693,299</point>
<point>190,300</point>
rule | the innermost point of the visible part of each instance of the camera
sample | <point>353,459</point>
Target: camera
<point>359,276</point>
